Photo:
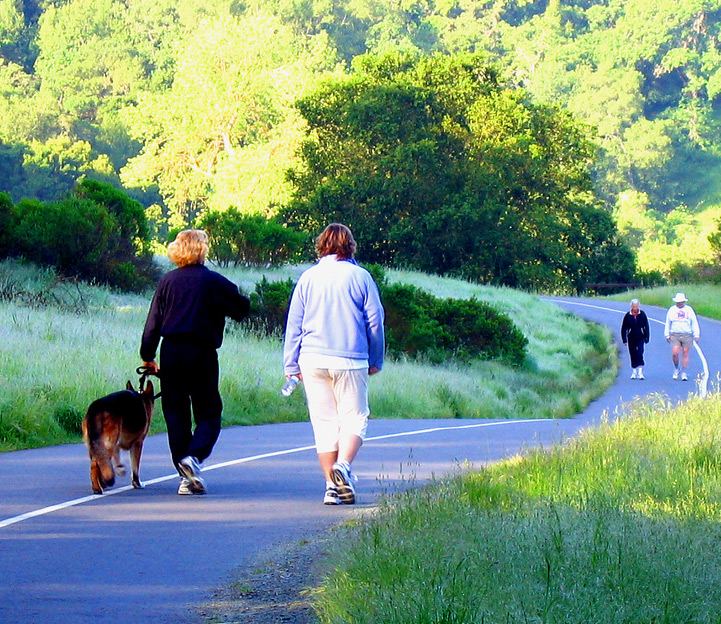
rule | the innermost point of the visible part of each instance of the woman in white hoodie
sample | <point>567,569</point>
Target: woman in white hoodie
<point>334,339</point>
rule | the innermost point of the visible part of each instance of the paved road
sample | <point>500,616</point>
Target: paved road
<point>70,558</point>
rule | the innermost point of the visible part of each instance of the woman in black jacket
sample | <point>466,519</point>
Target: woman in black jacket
<point>635,333</point>
<point>188,312</point>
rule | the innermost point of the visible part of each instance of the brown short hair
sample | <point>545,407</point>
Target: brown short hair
<point>189,247</point>
<point>336,239</point>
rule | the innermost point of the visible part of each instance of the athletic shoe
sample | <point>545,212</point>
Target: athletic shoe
<point>341,476</point>
<point>331,496</point>
<point>640,375</point>
<point>184,488</point>
<point>683,377</point>
<point>675,374</point>
<point>633,374</point>
<point>190,469</point>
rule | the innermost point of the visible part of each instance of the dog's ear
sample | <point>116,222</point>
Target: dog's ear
<point>129,386</point>
<point>149,388</point>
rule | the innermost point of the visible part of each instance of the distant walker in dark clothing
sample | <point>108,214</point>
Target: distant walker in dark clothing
<point>188,311</point>
<point>635,333</point>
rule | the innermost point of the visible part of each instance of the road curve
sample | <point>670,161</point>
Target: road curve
<point>153,557</point>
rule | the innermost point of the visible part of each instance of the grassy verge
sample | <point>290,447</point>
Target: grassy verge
<point>63,345</point>
<point>620,525</point>
<point>705,299</point>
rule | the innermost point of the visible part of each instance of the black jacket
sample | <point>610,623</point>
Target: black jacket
<point>190,305</point>
<point>635,328</point>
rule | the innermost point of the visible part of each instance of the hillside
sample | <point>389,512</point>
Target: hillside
<point>190,105</point>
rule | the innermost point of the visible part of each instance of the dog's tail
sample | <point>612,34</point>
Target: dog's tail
<point>93,428</point>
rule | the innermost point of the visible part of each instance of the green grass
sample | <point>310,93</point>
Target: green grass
<point>621,525</point>
<point>705,299</point>
<point>66,344</point>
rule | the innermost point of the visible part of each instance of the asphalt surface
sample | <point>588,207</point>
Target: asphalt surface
<point>150,556</point>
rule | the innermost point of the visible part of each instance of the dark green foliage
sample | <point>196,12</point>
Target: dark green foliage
<point>411,328</point>
<point>12,174</point>
<point>6,217</point>
<point>249,239</point>
<point>97,234</point>
<point>646,83</point>
<point>269,306</point>
<point>417,324</point>
<point>421,325</point>
<point>434,166</point>
<point>474,329</point>
<point>67,234</point>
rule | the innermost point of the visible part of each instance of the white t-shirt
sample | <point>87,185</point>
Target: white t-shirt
<point>681,321</point>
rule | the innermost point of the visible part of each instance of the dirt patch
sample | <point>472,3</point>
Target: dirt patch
<point>277,591</point>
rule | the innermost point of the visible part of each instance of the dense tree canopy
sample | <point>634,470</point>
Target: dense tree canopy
<point>433,165</point>
<point>189,103</point>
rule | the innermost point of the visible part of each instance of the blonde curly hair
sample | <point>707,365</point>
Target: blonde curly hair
<point>189,247</point>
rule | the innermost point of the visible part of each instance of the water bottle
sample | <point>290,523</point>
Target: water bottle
<point>290,385</point>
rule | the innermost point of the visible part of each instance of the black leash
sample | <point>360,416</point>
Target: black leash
<point>145,372</point>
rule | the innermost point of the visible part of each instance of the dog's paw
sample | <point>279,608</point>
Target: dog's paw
<point>98,490</point>
<point>120,469</point>
<point>137,484</point>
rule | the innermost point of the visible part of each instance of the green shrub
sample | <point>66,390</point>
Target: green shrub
<point>472,329</point>
<point>269,306</point>
<point>68,234</point>
<point>97,234</point>
<point>251,240</point>
<point>417,324</point>
<point>410,326</point>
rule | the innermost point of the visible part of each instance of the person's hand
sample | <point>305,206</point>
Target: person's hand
<point>298,375</point>
<point>151,366</point>
<point>624,343</point>
<point>668,338</point>
<point>697,338</point>
<point>373,370</point>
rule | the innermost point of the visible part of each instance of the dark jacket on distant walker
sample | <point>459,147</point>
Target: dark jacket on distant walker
<point>635,333</point>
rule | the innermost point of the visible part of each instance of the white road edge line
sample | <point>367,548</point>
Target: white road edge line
<point>703,383</point>
<point>243,460</point>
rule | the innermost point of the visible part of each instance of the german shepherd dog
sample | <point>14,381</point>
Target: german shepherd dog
<point>118,421</point>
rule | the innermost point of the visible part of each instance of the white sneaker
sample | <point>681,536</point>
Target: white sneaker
<point>190,469</point>
<point>633,374</point>
<point>331,496</point>
<point>184,487</point>
<point>343,479</point>
<point>683,377</point>
<point>675,374</point>
<point>640,375</point>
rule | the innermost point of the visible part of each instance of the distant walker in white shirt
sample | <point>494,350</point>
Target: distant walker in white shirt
<point>681,330</point>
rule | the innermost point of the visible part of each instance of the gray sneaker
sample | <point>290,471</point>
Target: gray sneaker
<point>190,469</point>
<point>343,479</point>
<point>184,487</point>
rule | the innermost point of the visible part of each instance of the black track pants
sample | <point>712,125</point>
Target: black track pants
<point>189,378</point>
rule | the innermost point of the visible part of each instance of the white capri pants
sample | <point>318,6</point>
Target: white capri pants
<point>337,404</point>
